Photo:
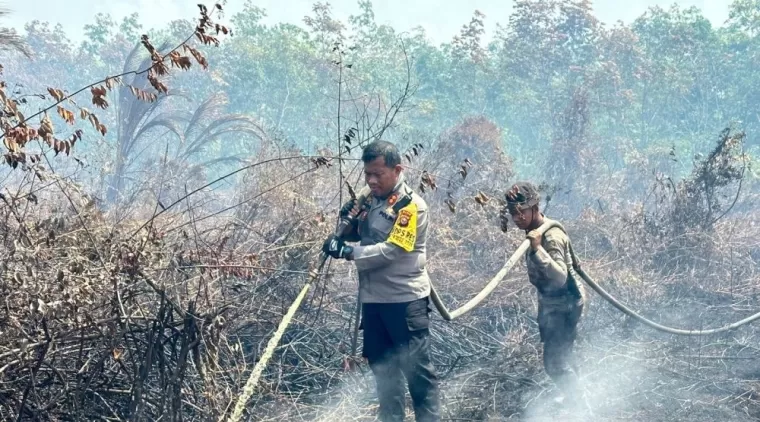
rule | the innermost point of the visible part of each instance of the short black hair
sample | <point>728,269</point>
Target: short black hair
<point>384,149</point>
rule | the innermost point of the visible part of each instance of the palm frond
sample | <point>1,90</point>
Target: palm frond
<point>233,123</point>
<point>10,40</point>
<point>208,110</point>
<point>167,122</point>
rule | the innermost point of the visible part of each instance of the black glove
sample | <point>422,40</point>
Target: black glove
<point>337,248</point>
<point>347,207</point>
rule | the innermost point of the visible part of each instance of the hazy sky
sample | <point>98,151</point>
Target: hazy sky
<point>440,22</point>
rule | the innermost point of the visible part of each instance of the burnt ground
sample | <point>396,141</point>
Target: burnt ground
<point>629,372</point>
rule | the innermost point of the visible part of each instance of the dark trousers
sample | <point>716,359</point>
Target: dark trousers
<point>397,346</point>
<point>558,326</point>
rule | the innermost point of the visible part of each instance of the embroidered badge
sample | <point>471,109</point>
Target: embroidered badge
<point>392,199</point>
<point>403,218</point>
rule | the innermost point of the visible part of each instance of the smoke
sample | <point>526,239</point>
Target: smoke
<point>610,382</point>
<point>353,398</point>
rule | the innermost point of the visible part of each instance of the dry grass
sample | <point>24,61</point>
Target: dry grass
<point>103,320</point>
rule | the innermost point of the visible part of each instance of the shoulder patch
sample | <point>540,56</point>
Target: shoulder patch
<point>404,232</point>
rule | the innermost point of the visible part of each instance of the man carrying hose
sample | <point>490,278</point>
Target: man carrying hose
<point>394,288</point>
<point>560,294</point>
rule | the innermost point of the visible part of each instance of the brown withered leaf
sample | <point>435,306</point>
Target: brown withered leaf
<point>10,104</point>
<point>198,56</point>
<point>84,113</point>
<point>481,198</point>
<point>66,115</point>
<point>321,161</point>
<point>10,144</point>
<point>100,102</point>
<point>159,67</point>
<point>98,97</point>
<point>158,85</point>
<point>143,95</point>
<point>102,129</point>
<point>112,81</point>
<point>179,60</point>
<point>184,62</point>
<point>46,126</point>
<point>146,42</point>
<point>221,28</point>
<point>94,120</point>
<point>76,136</point>
<point>428,180</point>
<point>57,94</point>
<point>174,57</point>
<point>98,91</point>
<point>207,39</point>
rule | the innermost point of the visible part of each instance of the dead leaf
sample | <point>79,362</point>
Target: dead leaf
<point>99,97</point>
<point>66,115</point>
<point>481,198</point>
<point>57,94</point>
<point>46,126</point>
<point>112,81</point>
<point>143,95</point>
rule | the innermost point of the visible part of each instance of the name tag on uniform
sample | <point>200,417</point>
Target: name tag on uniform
<point>388,214</point>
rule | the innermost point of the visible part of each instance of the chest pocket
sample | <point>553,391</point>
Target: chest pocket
<point>381,226</point>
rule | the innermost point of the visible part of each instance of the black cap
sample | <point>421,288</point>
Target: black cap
<point>522,195</point>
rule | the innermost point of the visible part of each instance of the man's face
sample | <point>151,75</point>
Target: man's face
<point>522,218</point>
<point>381,179</point>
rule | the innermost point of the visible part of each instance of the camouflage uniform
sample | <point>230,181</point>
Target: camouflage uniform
<point>560,304</point>
<point>561,297</point>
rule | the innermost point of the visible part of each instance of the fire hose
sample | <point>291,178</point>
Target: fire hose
<point>520,252</point>
<point>467,307</point>
<point>253,379</point>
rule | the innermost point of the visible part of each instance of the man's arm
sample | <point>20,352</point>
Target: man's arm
<point>373,256</point>
<point>352,233</point>
<point>351,207</point>
<point>551,260</point>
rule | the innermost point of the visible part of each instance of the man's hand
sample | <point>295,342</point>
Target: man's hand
<point>348,208</point>
<point>337,248</point>
<point>535,239</point>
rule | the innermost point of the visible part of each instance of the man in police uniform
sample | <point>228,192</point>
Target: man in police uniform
<point>550,270</point>
<point>394,286</point>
